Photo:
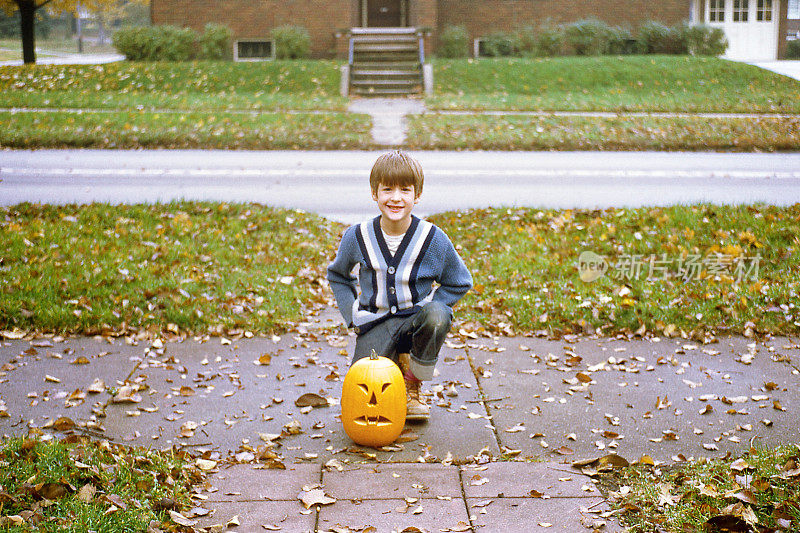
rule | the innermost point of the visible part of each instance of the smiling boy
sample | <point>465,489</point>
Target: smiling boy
<point>398,312</point>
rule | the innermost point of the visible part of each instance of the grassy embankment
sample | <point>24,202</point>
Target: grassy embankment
<point>623,85</point>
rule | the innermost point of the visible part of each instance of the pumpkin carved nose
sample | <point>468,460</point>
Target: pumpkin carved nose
<point>373,400</point>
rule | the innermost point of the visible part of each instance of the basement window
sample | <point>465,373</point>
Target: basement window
<point>253,50</point>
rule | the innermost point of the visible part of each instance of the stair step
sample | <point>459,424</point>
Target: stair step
<point>392,59</point>
<point>385,83</point>
<point>386,73</point>
<point>385,62</point>
<point>384,91</point>
<point>393,65</point>
<point>382,31</point>
<point>385,38</point>
<point>385,47</point>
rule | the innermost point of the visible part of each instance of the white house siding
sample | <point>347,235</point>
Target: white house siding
<point>751,26</point>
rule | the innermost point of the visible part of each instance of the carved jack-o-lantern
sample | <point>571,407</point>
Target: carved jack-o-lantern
<point>374,401</point>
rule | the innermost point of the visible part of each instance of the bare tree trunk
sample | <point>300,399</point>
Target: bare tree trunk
<point>27,16</point>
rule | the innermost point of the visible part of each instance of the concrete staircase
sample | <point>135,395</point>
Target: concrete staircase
<point>385,61</point>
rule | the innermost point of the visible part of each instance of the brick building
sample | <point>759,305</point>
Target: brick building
<point>756,29</point>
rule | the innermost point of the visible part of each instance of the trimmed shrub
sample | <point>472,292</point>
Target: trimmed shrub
<point>704,40</point>
<point>525,41</point>
<point>656,38</point>
<point>176,44</point>
<point>550,40</point>
<point>588,37</point>
<point>136,43</point>
<point>170,43</point>
<point>453,42</point>
<point>215,42</point>
<point>793,49</point>
<point>620,41</point>
<point>291,42</point>
<point>497,44</point>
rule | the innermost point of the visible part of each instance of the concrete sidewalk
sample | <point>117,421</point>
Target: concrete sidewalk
<point>537,403</point>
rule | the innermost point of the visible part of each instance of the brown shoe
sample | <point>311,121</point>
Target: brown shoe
<point>416,408</point>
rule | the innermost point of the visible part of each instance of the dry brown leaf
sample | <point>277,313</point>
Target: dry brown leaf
<point>64,424</point>
<point>97,386</point>
<point>314,497</point>
<point>86,493</point>
<point>181,520</point>
<point>310,399</point>
<point>126,394</point>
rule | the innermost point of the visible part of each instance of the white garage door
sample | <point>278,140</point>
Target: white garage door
<point>751,27</point>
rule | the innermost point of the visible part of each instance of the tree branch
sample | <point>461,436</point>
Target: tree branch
<point>43,4</point>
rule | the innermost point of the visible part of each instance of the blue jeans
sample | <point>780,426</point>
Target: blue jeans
<point>421,334</point>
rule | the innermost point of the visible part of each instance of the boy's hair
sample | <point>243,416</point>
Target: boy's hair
<point>396,168</point>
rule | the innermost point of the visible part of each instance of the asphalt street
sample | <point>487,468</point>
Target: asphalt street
<point>334,184</point>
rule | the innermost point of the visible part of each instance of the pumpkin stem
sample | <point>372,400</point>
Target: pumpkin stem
<point>374,354</point>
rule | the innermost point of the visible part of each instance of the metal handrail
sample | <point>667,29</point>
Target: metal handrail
<point>350,51</point>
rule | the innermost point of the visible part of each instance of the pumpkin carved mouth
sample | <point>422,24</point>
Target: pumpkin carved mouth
<point>373,421</point>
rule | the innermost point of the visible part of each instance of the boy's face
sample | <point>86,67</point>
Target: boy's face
<point>395,203</point>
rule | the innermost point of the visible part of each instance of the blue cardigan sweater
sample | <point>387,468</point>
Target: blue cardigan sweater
<point>395,285</point>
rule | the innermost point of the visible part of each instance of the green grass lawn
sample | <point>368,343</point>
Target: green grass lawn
<point>200,267</point>
<point>612,83</point>
<point>670,269</point>
<point>210,86</point>
<point>510,132</point>
<point>134,129</point>
<point>759,491</point>
<point>189,266</point>
<point>82,485</point>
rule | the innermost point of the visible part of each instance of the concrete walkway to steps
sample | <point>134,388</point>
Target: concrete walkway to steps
<point>517,398</point>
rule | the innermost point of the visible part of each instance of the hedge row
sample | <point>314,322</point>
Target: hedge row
<point>170,43</point>
<point>588,37</point>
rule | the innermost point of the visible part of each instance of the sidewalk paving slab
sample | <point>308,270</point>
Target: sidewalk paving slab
<point>566,515</point>
<point>513,479</point>
<point>395,515</point>
<point>636,407</point>
<point>255,516</point>
<point>244,482</point>
<point>520,386</point>
<point>396,480</point>
<point>31,393</point>
<point>247,400</point>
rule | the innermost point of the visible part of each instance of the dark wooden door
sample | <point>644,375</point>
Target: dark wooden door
<point>384,13</point>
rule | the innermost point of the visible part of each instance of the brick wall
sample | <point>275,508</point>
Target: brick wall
<point>256,18</point>
<point>324,18</point>
<point>482,17</point>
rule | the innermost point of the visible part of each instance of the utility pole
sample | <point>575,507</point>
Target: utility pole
<point>79,27</point>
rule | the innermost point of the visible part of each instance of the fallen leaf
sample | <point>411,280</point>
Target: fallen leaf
<point>97,386</point>
<point>86,493</point>
<point>126,394</point>
<point>310,399</point>
<point>181,520</point>
<point>64,424</point>
<point>314,497</point>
